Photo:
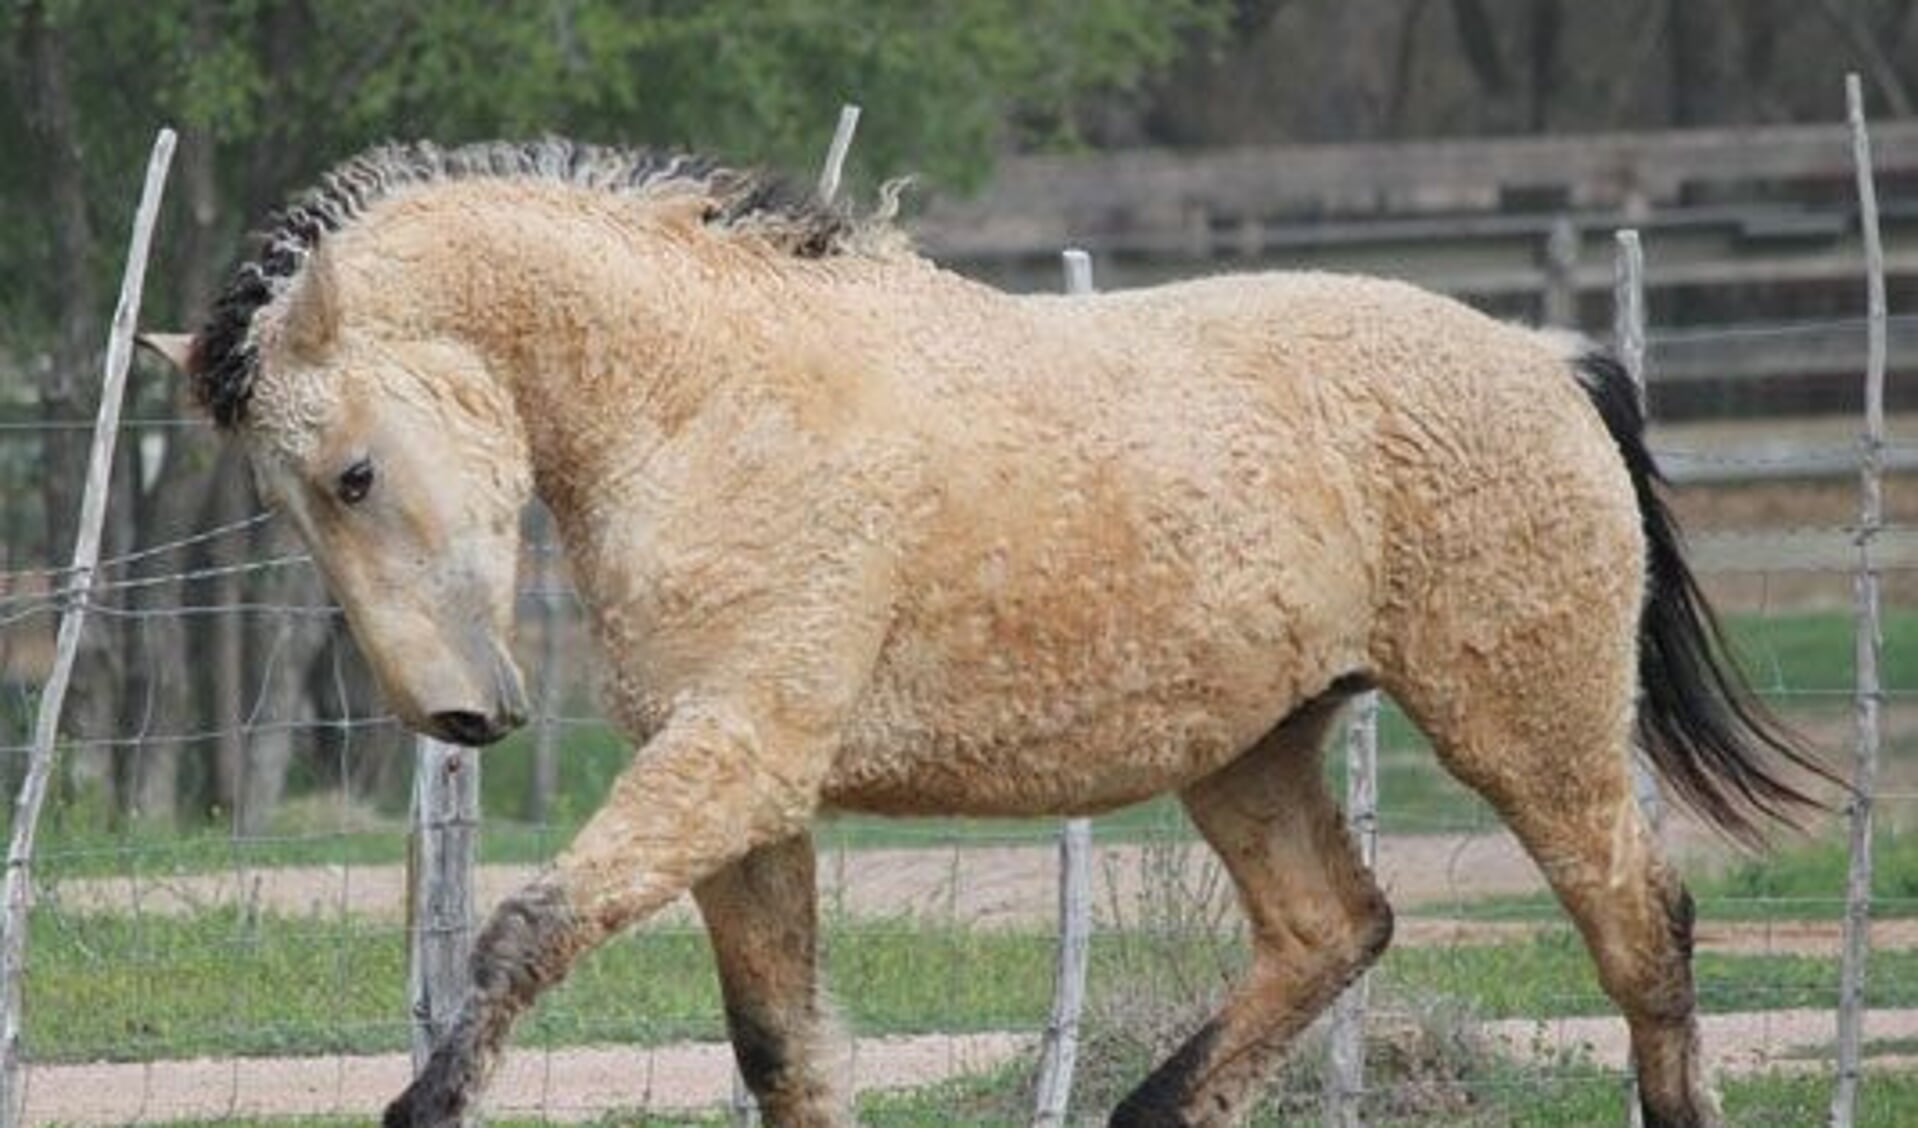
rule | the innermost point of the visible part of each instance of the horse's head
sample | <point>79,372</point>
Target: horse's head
<point>403,465</point>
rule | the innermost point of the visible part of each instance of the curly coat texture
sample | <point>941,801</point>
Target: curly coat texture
<point>856,533</point>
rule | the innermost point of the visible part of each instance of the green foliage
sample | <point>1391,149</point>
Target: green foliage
<point>282,89</point>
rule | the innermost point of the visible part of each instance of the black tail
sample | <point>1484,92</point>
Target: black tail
<point>1711,740</point>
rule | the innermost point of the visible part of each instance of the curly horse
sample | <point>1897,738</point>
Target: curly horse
<point>855,533</point>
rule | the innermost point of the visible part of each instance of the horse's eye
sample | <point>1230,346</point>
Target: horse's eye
<point>355,481</point>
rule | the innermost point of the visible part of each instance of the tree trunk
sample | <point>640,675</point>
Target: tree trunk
<point>66,399</point>
<point>1684,58</point>
<point>1878,66</point>
<point>1478,39</point>
<point>1404,64</point>
<point>281,650</point>
<point>1547,21</point>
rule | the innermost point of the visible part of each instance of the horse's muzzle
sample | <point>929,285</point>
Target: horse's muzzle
<point>460,726</point>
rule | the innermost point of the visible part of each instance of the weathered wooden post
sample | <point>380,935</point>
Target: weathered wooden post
<point>544,782</point>
<point>1868,695</point>
<point>79,591</point>
<point>1561,274</point>
<point>1345,1057</point>
<point>1059,1049</point>
<point>442,851</point>
<point>1628,340</point>
<point>835,163</point>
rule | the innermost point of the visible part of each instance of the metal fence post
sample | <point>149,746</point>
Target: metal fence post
<point>1857,926</point>
<point>79,588</point>
<point>1345,1059</point>
<point>1059,1051</point>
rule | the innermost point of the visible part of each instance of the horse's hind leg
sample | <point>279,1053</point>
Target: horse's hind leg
<point>1542,732</point>
<point>761,915</point>
<point>1317,921</point>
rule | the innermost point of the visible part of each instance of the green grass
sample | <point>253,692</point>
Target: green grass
<point>1805,882</point>
<point>1507,1095</point>
<point>133,988</point>
<point>1549,975</point>
<point>1503,1093</point>
<point>114,987</point>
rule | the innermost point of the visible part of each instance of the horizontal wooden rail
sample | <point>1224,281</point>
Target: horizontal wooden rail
<point>1035,203</point>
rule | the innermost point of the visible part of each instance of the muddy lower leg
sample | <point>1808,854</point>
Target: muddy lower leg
<point>761,915</point>
<point>695,800</point>
<point>1558,772</point>
<point>1636,918</point>
<point>1317,921</point>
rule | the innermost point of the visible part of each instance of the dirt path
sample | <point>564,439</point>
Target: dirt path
<point>1793,938</point>
<point>989,886</point>
<point>569,1085</point>
<point>1749,1042</point>
<point>580,1084</point>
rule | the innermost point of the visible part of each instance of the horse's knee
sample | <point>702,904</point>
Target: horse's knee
<point>527,945</point>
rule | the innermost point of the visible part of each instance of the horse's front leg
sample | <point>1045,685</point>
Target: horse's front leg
<point>714,784</point>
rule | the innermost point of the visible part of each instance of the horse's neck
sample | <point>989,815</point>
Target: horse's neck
<point>596,349</point>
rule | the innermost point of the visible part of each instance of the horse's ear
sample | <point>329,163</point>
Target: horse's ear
<point>313,307</point>
<point>176,349</point>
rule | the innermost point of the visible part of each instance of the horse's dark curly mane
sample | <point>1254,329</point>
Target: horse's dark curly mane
<point>224,363</point>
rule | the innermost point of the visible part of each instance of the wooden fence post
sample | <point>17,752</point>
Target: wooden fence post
<point>1869,695</point>
<point>835,164</point>
<point>1345,1056</point>
<point>1560,304</point>
<point>79,590</point>
<point>441,852</point>
<point>1628,340</point>
<point>1059,1050</point>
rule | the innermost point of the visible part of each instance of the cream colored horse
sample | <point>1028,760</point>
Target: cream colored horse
<point>858,534</point>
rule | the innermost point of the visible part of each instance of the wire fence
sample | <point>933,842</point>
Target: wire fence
<point>244,953</point>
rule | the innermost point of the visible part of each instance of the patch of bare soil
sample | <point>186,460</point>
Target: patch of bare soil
<point>1784,938</point>
<point>984,886</point>
<point>1746,1042</point>
<point>586,1083</point>
<point>561,1085</point>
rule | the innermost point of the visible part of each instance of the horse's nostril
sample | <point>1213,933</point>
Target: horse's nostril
<point>463,727</point>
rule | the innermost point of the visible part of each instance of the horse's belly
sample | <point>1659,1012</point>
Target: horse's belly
<point>1131,752</point>
<point>1082,720</point>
